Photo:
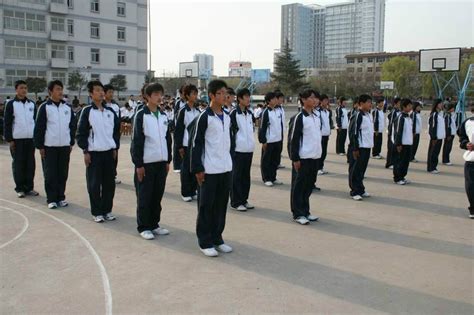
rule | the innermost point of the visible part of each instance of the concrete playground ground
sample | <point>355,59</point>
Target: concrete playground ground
<point>406,250</point>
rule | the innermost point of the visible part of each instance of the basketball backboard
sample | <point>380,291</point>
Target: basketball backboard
<point>440,60</point>
<point>387,85</point>
<point>189,69</point>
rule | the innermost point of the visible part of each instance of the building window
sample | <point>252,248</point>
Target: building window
<point>70,27</point>
<point>121,59</point>
<point>14,75</point>
<point>95,30</point>
<point>70,53</point>
<point>17,20</point>
<point>380,59</point>
<point>59,75</point>
<point>412,58</point>
<point>360,60</point>
<point>121,33</point>
<point>70,4</point>
<point>18,49</point>
<point>350,70</point>
<point>35,1</point>
<point>57,1</point>
<point>95,77</point>
<point>378,69</point>
<point>369,69</point>
<point>121,8</point>
<point>359,69</point>
<point>95,7</point>
<point>57,24</point>
<point>95,55</point>
<point>350,60</point>
<point>58,51</point>
<point>370,59</point>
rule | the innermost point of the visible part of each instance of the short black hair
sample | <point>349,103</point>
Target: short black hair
<point>216,85</point>
<point>242,92</point>
<point>91,84</point>
<point>188,89</point>
<point>305,94</point>
<point>53,83</point>
<point>19,82</point>
<point>405,102</point>
<point>416,104</point>
<point>324,97</point>
<point>356,100</point>
<point>279,94</point>
<point>108,87</point>
<point>142,90</point>
<point>230,91</point>
<point>341,99</point>
<point>154,87</point>
<point>269,96</point>
<point>380,100</point>
<point>396,100</point>
<point>436,102</point>
<point>181,88</point>
<point>450,106</point>
<point>364,98</point>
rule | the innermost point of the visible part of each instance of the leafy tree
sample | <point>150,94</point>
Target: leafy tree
<point>287,73</point>
<point>119,82</point>
<point>76,82</point>
<point>404,73</point>
<point>36,85</point>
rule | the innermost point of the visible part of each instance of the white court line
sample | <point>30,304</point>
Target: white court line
<point>26,224</point>
<point>103,271</point>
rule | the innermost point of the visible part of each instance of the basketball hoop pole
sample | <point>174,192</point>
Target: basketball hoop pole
<point>467,87</point>
<point>441,84</point>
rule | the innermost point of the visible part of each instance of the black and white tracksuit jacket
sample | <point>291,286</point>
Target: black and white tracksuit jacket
<point>403,130</point>
<point>151,140</point>
<point>271,127</point>
<point>306,136</point>
<point>211,144</point>
<point>242,131</point>
<point>186,116</point>
<point>379,120</point>
<point>437,126</point>
<point>361,131</point>
<point>342,118</point>
<point>113,104</point>
<point>98,131</point>
<point>55,125</point>
<point>19,119</point>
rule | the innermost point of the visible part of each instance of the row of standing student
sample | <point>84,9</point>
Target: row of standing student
<point>213,141</point>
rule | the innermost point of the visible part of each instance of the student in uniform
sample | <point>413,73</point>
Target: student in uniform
<point>243,145</point>
<point>342,123</point>
<point>111,103</point>
<point>279,107</point>
<point>270,136</point>
<point>229,101</point>
<point>391,118</point>
<point>327,125</point>
<point>305,152</point>
<point>354,109</point>
<point>54,137</point>
<point>179,104</point>
<point>212,163</point>
<point>379,125</point>
<point>466,140</point>
<point>451,129</point>
<point>151,155</point>
<point>402,139</point>
<point>437,131</point>
<point>417,126</point>
<point>98,136</point>
<point>186,116</point>
<point>19,123</point>
<point>361,137</point>
<point>257,114</point>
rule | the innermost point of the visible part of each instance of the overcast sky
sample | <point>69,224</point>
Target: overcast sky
<point>250,30</point>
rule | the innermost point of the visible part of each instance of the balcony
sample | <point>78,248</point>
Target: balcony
<point>59,63</point>
<point>58,8</point>
<point>59,36</point>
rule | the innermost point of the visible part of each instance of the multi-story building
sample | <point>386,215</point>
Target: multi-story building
<point>321,36</point>
<point>241,69</point>
<point>206,64</point>
<point>51,38</point>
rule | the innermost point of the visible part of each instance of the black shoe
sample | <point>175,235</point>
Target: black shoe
<point>316,188</point>
<point>32,193</point>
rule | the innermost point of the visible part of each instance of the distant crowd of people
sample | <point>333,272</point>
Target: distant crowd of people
<point>212,145</point>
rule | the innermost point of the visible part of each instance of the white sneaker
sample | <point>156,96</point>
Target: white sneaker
<point>109,217</point>
<point>268,184</point>
<point>117,181</point>
<point>187,199</point>
<point>160,231</point>
<point>471,216</point>
<point>377,157</point>
<point>401,182</point>
<point>99,219</point>
<point>249,206</point>
<point>176,171</point>
<point>434,172</point>
<point>195,197</point>
<point>148,235</point>
<point>52,205</point>
<point>448,164</point>
<point>224,248</point>
<point>407,181</point>
<point>277,182</point>
<point>414,161</point>
<point>320,172</point>
<point>281,166</point>
<point>312,218</point>
<point>240,208</point>
<point>63,203</point>
<point>391,167</point>
<point>209,252</point>
<point>357,197</point>
<point>301,220</point>
<point>341,154</point>
<point>20,194</point>
<point>366,195</point>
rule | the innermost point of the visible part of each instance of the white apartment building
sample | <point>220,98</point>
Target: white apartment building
<point>206,64</point>
<point>51,38</point>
